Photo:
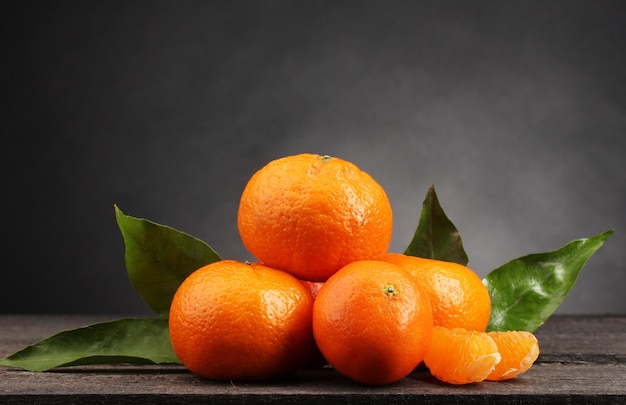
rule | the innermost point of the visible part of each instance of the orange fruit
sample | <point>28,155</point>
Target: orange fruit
<point>459,356</point>
<point>519,350</point>
<point>313,287</point>
<point>372,322</point>
<point>317,359</point>
<point>458,297</point>
<point>310,215</point>
<point>234,321</point>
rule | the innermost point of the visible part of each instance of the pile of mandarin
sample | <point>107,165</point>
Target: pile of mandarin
<point>326,292</point>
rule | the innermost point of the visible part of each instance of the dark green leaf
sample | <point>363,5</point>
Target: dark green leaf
<point>140,341</point>
<point>159,258</point>
<point>436,236</point>
<point>526,291</point>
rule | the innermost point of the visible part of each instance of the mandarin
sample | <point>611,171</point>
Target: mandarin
<point>310,215</point>
<point>458,356</point>
<point>372,322</point>
<point>234,321</point>
<point>317,359</point>
<point>457,295</point>
<point>313,287</point>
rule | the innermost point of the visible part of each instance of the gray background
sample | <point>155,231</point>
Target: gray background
<point>514,110</point>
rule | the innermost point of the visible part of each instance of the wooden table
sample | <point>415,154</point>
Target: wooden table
<point>583,360</point>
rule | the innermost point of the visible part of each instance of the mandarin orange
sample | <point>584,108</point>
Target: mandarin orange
<point>313,287</point>
<point>310,215</point>
<point>372,322</point>
<point>317,359</point>
<point>458,297</point>
<point>234,321</point>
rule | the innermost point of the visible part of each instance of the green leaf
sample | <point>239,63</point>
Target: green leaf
<point>158,259</point>
<point>436,236</point>
<point>134,340</point>
<point>526,291</point>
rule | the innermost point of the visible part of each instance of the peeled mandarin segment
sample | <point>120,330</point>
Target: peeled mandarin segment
<point>519,350</point>
<point>459,356</point>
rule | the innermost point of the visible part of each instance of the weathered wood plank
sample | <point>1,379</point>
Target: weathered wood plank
<point>551,383</point>
<point>595,339</point>
<point>582,362</point>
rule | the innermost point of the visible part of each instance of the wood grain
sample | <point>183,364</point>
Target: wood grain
<point>582,361</point>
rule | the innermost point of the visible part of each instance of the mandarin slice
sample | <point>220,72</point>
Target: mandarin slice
<point>460,356</point>
<point>519,350</point>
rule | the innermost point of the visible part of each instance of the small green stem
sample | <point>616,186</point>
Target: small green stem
<point>390,290</point>
<point>325,158</point>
